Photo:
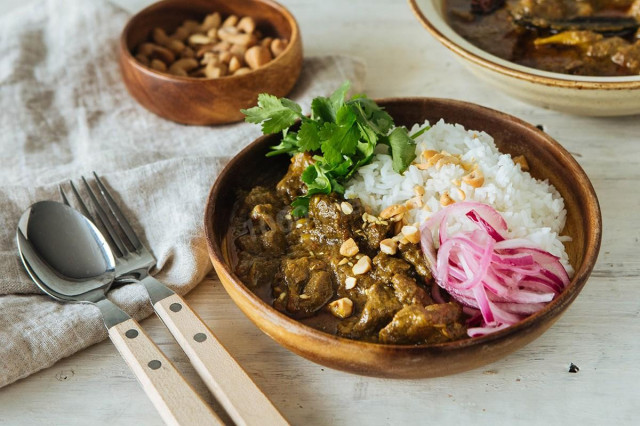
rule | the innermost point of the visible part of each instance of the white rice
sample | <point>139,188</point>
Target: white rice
<point>533,209</point>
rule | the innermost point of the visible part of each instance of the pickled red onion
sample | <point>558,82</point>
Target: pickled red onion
<point>500,281</point>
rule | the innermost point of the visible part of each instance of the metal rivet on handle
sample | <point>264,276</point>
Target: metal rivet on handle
<point>155,364</point>
<point>200,337</point>
<point>175,307</point>
<point>132,333</point>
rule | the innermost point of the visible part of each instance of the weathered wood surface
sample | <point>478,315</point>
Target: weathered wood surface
<point>599,333</point>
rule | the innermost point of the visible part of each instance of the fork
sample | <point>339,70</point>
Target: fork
<point>245,403</point>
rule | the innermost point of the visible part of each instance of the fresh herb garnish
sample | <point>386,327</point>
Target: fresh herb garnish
<point>345,132</point>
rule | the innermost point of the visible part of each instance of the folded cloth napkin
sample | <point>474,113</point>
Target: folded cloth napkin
<point>66,112</point>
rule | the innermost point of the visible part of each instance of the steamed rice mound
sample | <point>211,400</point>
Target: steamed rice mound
<point>533,209</point>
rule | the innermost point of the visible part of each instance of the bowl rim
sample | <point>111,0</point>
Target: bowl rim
<point>468,51</point>
<point>552,309</point>
<point>128,55</point>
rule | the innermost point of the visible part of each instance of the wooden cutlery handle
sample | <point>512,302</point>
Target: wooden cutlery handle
<point>176,401</point>
<point>245,403</point>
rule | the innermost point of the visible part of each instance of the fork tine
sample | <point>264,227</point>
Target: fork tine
<point>102,215</point>
<point>64,196</point>
<point>122,221</point>
<point>83,206</point>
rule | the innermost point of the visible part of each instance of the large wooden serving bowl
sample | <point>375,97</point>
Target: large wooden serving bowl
<point>191,100</point>
<point>547,160</point>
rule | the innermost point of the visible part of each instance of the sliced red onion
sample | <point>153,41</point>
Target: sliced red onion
<point>498,280</point>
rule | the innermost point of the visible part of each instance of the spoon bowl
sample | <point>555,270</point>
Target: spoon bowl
<point>64,253</point>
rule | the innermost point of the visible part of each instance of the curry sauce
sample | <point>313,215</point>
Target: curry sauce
<point>554,35</point>
<point>304,268</point>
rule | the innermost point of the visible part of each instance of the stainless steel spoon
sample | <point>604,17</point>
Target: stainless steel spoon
<point>68,258</point>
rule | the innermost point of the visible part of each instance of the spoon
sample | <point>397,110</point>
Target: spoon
<point>68,258</point>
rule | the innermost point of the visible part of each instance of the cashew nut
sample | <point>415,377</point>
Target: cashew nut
<point>226,57</point>
<point>221,46</point>
<point>234,64</point>
<point>231,21</point>
<point>210,57</point>
<point>247,24</point>
<point>142,59</point>
<point>233,36</point>
<point>153,51</point>
<point>160,36</point>
<point>213,34</point>
<point>215,70</point>
<point>242,71</point>
<point>187,52</point>
<point>181,34</point>
<point>158,65</point>
<point>277,47</point>
<point>181,67</point>
<point>211,21</point>
<point>257,56</point>
<point>238,51</point>
<point>199,39</point>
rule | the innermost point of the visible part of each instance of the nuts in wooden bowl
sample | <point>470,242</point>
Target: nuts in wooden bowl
<point>213,48</point>
<point>204,101</point>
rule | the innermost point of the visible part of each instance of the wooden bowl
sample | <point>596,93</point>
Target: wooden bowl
<point>191,100</point>
<point>547,160</point>
<point>581,95</point>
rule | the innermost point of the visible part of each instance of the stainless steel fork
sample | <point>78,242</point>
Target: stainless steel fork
<point>245,403</point>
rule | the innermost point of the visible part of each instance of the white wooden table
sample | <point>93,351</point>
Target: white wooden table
<point>600,333</point>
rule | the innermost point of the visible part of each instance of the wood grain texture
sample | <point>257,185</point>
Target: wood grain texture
<point>245,403</point>
<point>176,401</point>
<point>209,101</point>
<point>529,387</point>
<point>547,160</point>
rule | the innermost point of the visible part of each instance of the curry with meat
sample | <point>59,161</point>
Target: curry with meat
<point>579,37</point>
<point>339,269</point>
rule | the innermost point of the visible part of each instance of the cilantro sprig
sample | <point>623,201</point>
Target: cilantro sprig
<point>341,132</point>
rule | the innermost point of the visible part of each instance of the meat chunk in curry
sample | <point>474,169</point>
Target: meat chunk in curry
<point>303,265</point>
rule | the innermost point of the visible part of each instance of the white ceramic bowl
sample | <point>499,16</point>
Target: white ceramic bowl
<point>593,96</point>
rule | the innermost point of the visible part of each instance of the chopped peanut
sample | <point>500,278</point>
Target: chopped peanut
<point>366,217</point>
<point>349,248</point>
<point>411,233</point>
<point>524,165</point>
<point>418,190</point>
<point>397,218</point>
<point>341,308</point>
<point>414,202</point>
<point>474,179</point>
<point>346,207</point>
<point>388,246</point>
<point>433,160</point>
<point>362,266</point>
<point>349,283</point>
<point>461,194</point>
<point>428,154</point>
<point>445,199</point>
<point>392,211</point>
<point>343,261</point>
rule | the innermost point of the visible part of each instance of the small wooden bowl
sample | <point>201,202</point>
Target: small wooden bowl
<point>547,160</point>
<point>201,101</point>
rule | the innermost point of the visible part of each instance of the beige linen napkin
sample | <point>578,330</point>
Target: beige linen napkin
<point>65,112</point>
